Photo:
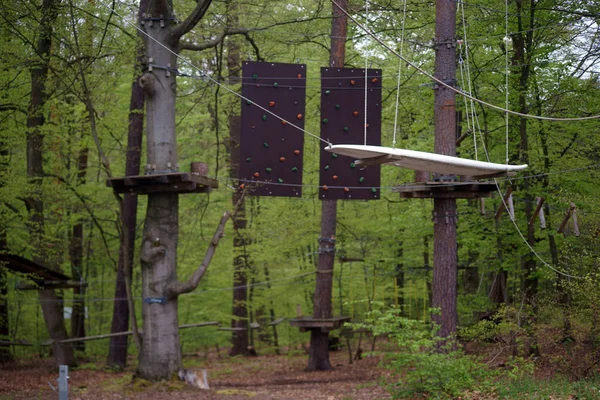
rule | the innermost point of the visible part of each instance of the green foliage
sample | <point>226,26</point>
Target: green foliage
<point>530,388</point>
<point>427,364</point>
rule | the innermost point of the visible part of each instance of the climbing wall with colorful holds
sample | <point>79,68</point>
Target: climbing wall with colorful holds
<point>343,122</point>
<point>271,145</point>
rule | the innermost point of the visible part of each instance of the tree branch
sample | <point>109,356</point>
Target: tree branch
<point>213,42</point>
<point>192,19</point>
<point>176,288</point>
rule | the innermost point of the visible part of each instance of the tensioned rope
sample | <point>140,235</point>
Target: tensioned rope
<point>211,79</point>
<point>458,91</point>
<point>399,74</point>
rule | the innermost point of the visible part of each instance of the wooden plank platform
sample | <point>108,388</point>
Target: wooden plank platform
<point>448,190</point>
<point>177,182</point>
<point>324,324</point>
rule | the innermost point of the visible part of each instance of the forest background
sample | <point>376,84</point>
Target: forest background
<point>551,51</point>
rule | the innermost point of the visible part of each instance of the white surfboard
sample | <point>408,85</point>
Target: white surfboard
<point>421,161</point>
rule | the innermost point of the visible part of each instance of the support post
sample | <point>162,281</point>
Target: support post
<point>63,382</point>
<point>319,340</point>
<point>445,275</point>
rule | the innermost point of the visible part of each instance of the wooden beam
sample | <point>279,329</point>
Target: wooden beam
<point>576,231</point>
<point>565,219</point>
<point>502,207</point>
<point>538,208</point>
<point>126,333</point>
<point>45,284</point>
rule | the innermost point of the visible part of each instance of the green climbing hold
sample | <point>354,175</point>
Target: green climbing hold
<point>361,179</point>
<point>352,165</point>
<point>275,84</point>
<point>325,120</point>
<point>248,159</point>
<point>266,145</point>
<point>294,169</point>
<point>333,155</point>
<point>326,167</point>
<point>328,92</point>
<point>268,169</point>
<point>254,76</point>
<point>373,190</point>
<point>337,106</point>
<point>346,129</point>
<point>249,102</point>
<point>279,180</point>
<point>264,117</point>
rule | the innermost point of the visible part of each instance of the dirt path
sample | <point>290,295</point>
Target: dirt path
<point>266,377</point>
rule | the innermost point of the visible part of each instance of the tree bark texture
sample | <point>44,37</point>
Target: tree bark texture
<point>51,305</point>
<point>444,236</point>
<point>523,49</point>
<point>240,339</point>
<point>160,354</point>
<point>76,256</point>
<point>5,354</point>
<point>117,352</point>
<point>318,359</point>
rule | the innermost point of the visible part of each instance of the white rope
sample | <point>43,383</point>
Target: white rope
<point>458,91</point>
<point>506,72</point>
<point>209,78</point>
<point>366,76</point>
<point>399,74</point>
<point>472,111</point>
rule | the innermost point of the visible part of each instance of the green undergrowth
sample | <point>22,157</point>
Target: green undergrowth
<point>557,388</point>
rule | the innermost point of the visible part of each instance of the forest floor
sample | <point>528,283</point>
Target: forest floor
<point>263,377</point>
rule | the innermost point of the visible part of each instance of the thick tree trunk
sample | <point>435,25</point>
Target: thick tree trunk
<point>51,306</point>
<point>160,354</point>
<point>117,353</point>
<point>444,210</point>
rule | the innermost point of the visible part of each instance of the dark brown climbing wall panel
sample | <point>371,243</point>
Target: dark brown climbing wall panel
<point>342,122</point>
<point>271,148</point>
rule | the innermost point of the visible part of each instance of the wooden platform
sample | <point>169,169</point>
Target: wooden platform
<point>42,276</point>
<point>177,182</point>
<point>448,190</point>
<point>324,324</point>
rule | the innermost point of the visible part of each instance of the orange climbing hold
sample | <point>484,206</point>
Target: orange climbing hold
<point>299,76</point>
<point>325,187</point>
<point>296,152</point>
<point>282,159</point>
<point>283,122</point>
<point>346,189</point>
<point>299,116</point>
<point>335,177</point>
<point>374,80</point>
<point>256,174</point>
<point>355,113</point>
<point>352,82</point>
<point>271,104</point>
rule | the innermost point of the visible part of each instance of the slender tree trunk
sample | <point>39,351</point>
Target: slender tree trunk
<point>444,210</point>
<point>117,353</point>
<point>240,339</point>
<point>5,354</point>
<point>76,256</point>
<point>523,47</point>
<point>51,305</point>
<point>318,359</point>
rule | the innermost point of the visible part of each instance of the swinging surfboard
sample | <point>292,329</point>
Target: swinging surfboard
<point>422,161</point>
